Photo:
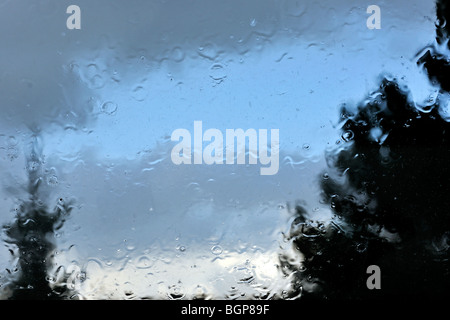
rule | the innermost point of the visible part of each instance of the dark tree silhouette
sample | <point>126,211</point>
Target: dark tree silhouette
<point>31,239</point>
<point>389,189</point>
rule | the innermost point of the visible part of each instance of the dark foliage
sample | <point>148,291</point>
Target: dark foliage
<point>389,189</point>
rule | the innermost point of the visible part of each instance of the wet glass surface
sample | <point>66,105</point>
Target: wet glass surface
<point>94,206</point>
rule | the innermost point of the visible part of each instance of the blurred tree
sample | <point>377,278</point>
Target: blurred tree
<point>31,240</point>
<point>389,189</point>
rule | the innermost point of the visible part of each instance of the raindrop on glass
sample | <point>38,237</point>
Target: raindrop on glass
<point>347,135</point>
<point>139,93</point>
<point>217,250</point>
<point>52,180</point>
<point>177,54</point>
<point>33,166</point>
<point>109,108</point>
<point>217,72</point>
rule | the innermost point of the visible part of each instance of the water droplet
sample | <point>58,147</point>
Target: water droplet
<point>97,82</point>
<point>375,133</point>
<point>139,93</point>
<point>177,54</point>
<point>347,135</point>
<point>109,108</point>
<point>208,51</point>
<point>306,146</point>
<point>93,77</point>
<point>28,221</point>
<point>116,76</point>
<point>361,247</point>
<point>217,73</point>
<point>175,292</point>
<point>52,180</point>
<point>12,141</point>
<point>248,279</point>
<point>11,147</point>
<point>129,245</point>
<point>217,250</point>
<point>33,166</point>
<point>143,263</point>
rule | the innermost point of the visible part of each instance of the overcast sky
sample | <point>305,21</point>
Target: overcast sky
<point>105,100</point>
